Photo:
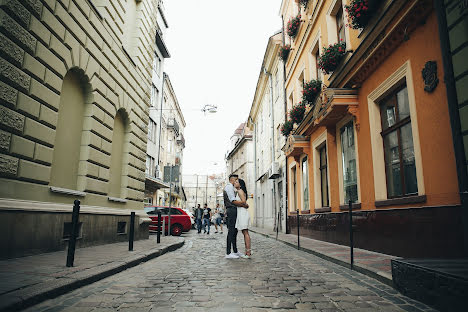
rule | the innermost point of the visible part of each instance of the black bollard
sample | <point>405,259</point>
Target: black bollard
<point>132,231</point>
<point>351,232</point>
<point>73,234</point>
<point>298,244</point>
<point>158,235</point>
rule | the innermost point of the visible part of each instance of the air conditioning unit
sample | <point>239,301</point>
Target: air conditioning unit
<point>273,172</point>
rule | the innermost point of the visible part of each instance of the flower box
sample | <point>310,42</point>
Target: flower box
<point>293,26</point>
<point>360,12</point>
<point>297,113</point>
<point>284,52</point>
<point>331,57</point>
<point>287,127</point>
<point>311,90</point>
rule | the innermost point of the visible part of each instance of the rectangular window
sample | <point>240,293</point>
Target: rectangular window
<point>323,175</point>
<point>317,68</point>
<point>121,227</point>
<point>340,25</point>
<point>157,64</point>
<point>348,158</point>
<point>294,178</point>
<point>398,144</point>
<point>305,183</point>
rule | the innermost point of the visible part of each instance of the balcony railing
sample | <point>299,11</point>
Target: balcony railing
<point>181,140</point>
<point>172,123</point>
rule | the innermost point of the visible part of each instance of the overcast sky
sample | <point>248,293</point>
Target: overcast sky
<point>216,48</point>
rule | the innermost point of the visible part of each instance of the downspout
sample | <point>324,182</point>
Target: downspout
<point>449,79</point>
<point>285,119</point>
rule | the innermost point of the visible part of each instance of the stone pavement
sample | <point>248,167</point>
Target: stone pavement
<point>197,277</point>
<point>28,280</point>
<point>371,263</point>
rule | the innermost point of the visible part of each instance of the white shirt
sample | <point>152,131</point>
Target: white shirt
<point>230,191</point>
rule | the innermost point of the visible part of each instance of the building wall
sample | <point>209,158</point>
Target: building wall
<point>44,44</point>
<point>376,215</point>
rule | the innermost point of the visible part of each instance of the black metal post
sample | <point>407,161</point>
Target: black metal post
<point>132,231</point>
<point>351,244</point>
<point>158,233</point>
<point>73,234</point>
<point>170,203</point>
<point>298,244</point>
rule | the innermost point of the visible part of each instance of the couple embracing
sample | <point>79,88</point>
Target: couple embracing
<point>235,201</point>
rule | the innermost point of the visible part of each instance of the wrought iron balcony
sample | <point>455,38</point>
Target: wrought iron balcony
<point>172,123</point>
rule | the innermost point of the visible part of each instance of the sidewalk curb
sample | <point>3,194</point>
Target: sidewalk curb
<point>35,294</point>
<point>356,267</point>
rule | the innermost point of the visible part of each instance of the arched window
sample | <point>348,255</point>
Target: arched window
<point>118,144</point>
<point>66,155</point>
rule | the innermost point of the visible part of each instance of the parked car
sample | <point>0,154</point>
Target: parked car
<point>180,220</point>
<point>192,217</point>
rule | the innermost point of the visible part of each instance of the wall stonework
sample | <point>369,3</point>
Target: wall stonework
<point>41,41</point>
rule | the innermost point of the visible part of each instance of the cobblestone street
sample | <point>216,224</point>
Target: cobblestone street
<point>197,277</point>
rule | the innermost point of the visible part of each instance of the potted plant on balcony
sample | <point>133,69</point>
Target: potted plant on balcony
<point>287,127</point>
<point>331,57</point>
<point>297,113</point>
<point>311,90</point>
<point>284,52</point>
<point>359,12</point>
<point>293,26</point>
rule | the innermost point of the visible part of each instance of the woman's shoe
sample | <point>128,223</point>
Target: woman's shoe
<point>245,257</point>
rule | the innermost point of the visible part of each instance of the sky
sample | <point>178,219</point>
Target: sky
<point>217,49</point>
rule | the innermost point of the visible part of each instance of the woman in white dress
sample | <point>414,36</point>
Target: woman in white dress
<point>243,217</point>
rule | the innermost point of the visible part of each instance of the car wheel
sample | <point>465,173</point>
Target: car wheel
<point>176,230</point>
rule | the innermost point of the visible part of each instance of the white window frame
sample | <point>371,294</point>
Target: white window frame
<point>378,158</point>
<point>316,145</point>
<point>303,207</point>
<point>313,61</point>
<point>331,23</point>
<point>340,125</point>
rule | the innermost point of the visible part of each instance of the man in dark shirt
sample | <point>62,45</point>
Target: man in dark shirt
<point>198,218</point>
<point>206,219</point>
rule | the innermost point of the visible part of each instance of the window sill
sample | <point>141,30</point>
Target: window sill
<point>354,206</point>
<point>62,190</point>
<point>401,201</point>
<point>323,209</point>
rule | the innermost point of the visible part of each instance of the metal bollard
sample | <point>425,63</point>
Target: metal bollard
<point>351,232</point>
<point>132,231</point>
<point>298,244</point>
<point>158,233</point>
<point>73,234</point>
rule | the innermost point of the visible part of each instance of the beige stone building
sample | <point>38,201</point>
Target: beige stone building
<point>74,89</point>
<point>240,160</point>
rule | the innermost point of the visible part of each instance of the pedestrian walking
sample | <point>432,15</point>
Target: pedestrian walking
<point>221,213</point>
<point>231,204</point>
<point>206,219</point>
<point>198,218</point>
<point>243,217</point>
<point>217,221</point>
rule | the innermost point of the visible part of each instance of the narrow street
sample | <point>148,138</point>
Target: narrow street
<point>197,277</point>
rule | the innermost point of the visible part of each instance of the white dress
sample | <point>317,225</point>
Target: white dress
<point>243,217</point>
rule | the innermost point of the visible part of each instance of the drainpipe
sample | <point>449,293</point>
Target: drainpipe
<point>255,171</point>
<point>454,114</point>
<point>285,118</point>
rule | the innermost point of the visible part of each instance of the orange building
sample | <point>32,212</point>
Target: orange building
<point>378,133</point>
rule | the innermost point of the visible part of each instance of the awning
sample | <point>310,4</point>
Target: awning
<point>161,45</point>
<point>155,182</point>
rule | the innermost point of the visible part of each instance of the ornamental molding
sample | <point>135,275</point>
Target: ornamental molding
<point>429,74</point>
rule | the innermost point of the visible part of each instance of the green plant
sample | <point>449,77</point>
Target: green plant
<point>331,57</point>
<point>284,52</point>
<point>293,26</point>
<point>311,90</point>
<point>297,113</point>
<point>359,12</point>
<point>287,127</point>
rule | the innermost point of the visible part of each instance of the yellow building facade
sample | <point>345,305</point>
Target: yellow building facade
<point>75,82</point>
<point>377,132</point>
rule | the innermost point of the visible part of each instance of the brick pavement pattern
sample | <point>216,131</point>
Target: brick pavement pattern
<point>197,277</point>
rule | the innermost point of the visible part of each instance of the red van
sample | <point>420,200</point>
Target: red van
<point>180,220</point>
